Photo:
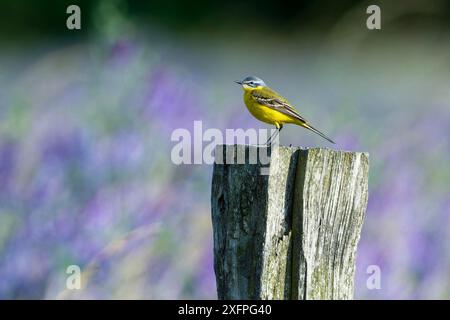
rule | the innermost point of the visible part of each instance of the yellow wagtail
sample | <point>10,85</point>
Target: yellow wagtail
<point>268,106</point>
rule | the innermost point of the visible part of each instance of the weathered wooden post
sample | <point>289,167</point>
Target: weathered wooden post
<point>287,228</point>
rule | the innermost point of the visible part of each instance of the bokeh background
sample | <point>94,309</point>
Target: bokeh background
<point>86,119</point>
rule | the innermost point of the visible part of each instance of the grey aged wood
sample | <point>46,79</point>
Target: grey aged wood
<point>287,221</point>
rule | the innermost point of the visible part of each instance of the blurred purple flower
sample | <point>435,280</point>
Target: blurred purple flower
<point>205,277</point>
<point>171,102</point>
<point>62,146</point>
<point>122,51</point>
<point>8,154</point>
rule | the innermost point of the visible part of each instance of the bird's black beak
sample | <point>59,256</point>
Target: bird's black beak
<point>238,82</point>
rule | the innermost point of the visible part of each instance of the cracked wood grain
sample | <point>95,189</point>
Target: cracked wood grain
<point>291,234</point>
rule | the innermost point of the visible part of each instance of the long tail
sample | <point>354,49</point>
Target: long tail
<point>310,127</point>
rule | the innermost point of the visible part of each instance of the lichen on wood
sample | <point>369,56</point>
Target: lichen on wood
<point>291,233</point>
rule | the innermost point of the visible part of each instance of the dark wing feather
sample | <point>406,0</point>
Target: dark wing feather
<point>269,98</point>
<point>273,100</point>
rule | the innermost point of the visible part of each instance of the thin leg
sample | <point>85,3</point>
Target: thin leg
<point>270,138</point>
<point>274,135</point>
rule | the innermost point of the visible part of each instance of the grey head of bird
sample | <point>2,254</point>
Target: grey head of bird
<point>252,82</point>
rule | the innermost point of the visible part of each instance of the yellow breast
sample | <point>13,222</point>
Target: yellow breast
<point>264,113</point>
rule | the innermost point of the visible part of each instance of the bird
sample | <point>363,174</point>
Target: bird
<point>270,107</point>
